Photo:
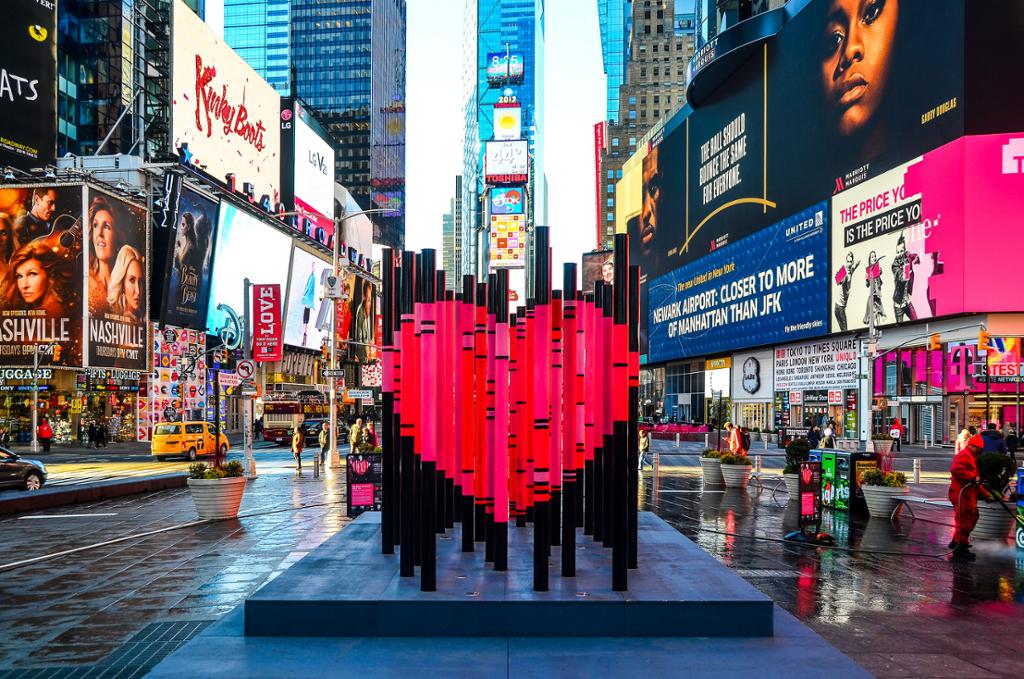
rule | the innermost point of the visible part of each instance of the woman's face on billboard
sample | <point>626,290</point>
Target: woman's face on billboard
<point>103,235</point>
<point>32,281</point>
<point>859,36</point>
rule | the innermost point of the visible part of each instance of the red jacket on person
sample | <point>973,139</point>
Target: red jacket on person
<point>963,493</point>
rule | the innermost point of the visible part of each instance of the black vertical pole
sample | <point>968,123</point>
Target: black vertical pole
<point>557,359</point>
<point>620,397</point>
<point>541,519</point>
<point>441,489</point>
<point>428,537</point>
<point>608,438</point>
<point>480,364</point>
<point>598,466</point>
<point>492,285</point>
<point>633,433</point>
<point>501,527</point>
<point>407,474</point>
<point>589,468</point>
<point>569,349</point>
<point>387,507</point>
<point>468,500</point>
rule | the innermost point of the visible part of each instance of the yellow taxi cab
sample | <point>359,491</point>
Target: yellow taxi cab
<point>186,439</point>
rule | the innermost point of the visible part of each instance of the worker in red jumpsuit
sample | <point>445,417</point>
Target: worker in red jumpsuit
<point>964,487</point>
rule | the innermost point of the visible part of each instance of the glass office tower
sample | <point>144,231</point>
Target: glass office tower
<point>258,31</point>
<point>615,21</point>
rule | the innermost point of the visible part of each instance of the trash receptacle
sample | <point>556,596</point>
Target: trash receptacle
<point>840,478</point>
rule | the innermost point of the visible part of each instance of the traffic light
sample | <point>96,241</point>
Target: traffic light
<point>935,342</point>
<point>323,351</point>
<point>983,340</point>
<point>56,353</point>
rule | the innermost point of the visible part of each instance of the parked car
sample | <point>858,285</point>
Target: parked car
<point>20,472</point>
<point>197,439</point>
<point>311,431</point>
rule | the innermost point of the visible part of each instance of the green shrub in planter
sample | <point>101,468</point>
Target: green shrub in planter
<point>881,437</point>
<point>199,470</point>
<point>798,450</point>
<point>739,460</point>
<point>711,453</point>
<point>876,477</point>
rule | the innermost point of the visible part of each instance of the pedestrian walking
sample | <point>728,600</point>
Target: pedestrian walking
<point>101,434</point>
<point>355,437</point>
<point>91,434</point>
<point>297,442</point>
<point>994,440</point>
<point>369,435</point>
<point>897,431</point>
<point>5,438</point>
<point>1012,444</point>
<point>814,436</point>
<point>645,449</point>
<point>964,484</point>
<point>45,434</point>
<point>325,442</point>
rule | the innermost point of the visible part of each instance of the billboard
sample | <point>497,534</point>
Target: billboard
<point>307,171</point>
<point>267,333</point>
<point>504,68</point>
<point>771,287</point>
<point>41,269</point>
<point>508,121</point>
<point>308,312</point>
<point>28,88</point>
<point>117,266</point>
<point>357,318</point>
<point>792,125</point>
<point>898,242</point>
<point>510,201</point>
<point>508,241</point>
<point>506,162</point>
<point>243,240</point>
<point>222,109</point>
<point>167,386</point>
<point>190,261</point>
<point>597,266</point>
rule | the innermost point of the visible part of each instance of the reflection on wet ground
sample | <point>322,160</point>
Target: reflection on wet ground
<point>886,595</point>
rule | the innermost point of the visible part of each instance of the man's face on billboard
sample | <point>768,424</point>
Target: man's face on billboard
<point>44,206</point>
<point>859,37</point>
<point>652,198</point>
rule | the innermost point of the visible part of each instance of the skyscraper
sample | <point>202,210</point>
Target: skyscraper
<point>505,67</point>
<point>346,60</point>
<point>654,87</point>
<point>615,18</point>
<point>451,248</point>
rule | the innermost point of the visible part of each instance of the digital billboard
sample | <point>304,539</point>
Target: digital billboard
<point>508,241</point>
<point>508,121</point>
<point>899,240</point>
<point>245,248</point>
<point>794,124</point>
<point>308,312</point>
<point>511,201</point>
<point>597,266</point>
<point>42,273</point>
<point>504,68</point>
<point>28,85</point>
<point>506,162</point>
<point>190,261</point>
<point>307,171</point>
<point>771,287</point>
<point>222,109</point>
<point>117,262</point>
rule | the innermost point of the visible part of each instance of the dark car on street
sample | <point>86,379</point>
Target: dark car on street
<point>311,432</point>
<point>20,472</point>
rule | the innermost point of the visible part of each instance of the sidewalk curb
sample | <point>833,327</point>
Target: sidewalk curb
<point>57,496</point>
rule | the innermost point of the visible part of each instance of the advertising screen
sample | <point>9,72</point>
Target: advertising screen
<point>506,162</point>
<point>504,68</point>
<point>307,171</point>
<point>794,124</point>
<point>766,288</point>
<point>28,90</point>
<point>308,314</point>
<point>191,261</point>
<point>222,109</point>
<point>357,319</point>
<point>242,241</point>
<point>116,255</point>
<point>508,241</point>
<point>507,201</point>
<point>898,242</point>
<point>597,266</point>
<point>41,268</point>
<point>508,121</point>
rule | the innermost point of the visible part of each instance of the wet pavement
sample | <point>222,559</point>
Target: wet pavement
<point>886,595</point>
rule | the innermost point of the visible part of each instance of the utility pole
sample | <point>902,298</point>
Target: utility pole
<point>250,460</point>
<point>333,381</point>
<point>35,390</point>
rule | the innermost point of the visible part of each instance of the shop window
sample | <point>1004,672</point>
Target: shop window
<point>906,372</point>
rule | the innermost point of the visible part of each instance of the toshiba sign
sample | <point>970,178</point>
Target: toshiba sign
<point>222,109</point>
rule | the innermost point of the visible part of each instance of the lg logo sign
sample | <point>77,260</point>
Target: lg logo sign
<point>1013,157</point>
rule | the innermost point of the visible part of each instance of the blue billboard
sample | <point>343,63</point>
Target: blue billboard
<point>770,287</point>
<point>507,201</point>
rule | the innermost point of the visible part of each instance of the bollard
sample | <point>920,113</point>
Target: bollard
<point>917,470</point>
<point>677,439</point>
<point>706,444</point>
<point>316,464</point>
<point>765,438</point>
<point>757,464</point>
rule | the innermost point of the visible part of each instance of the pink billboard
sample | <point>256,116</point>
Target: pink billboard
<point>916,242</point>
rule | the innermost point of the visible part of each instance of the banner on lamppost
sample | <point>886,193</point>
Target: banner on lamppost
<point>268,336</point>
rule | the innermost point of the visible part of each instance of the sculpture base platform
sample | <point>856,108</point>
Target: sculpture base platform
<point>347,588</point>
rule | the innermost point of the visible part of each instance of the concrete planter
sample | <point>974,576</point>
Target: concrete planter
<point>792,485</point>
<point>882,447</point>
<point>217,498</point>
<point>993,522</point>
<point>711,467</point>
<point>736,475</point>
<point>881,499</point>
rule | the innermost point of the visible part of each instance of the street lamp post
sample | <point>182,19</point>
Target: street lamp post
<point>332,380</point>
<point>47,348</point>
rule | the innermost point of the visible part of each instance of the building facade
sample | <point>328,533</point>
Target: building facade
<point>615,20</point>
<point>654,87</point>
<point>259,31</point>
<point>451,230</point>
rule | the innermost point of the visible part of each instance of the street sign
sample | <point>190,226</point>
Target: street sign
<point>333,372</point>
<point>246,368</point>
<point>248,390</point>
<point>228,380</point>
<point>366,402</point>
<point>360,393</point>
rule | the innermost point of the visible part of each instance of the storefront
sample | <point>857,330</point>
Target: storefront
<point>753,375</point>
<point>684,392</point>
<point>718,390</point>
<point>816,383</point>
<point>56,402</point>
<point>109,398</point>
